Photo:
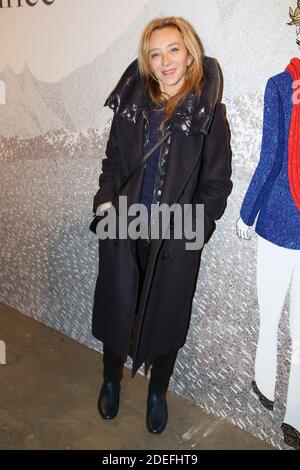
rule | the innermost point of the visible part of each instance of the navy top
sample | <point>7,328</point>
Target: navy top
<point>150,173</point>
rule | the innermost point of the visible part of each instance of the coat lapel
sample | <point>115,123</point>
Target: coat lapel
<point>183,154</point>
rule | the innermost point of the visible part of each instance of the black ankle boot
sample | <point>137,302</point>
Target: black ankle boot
<point>108,402</point>
<point>157,410</point>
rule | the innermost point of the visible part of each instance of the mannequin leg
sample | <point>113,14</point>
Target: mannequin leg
<point>274,272</point>
<point>292,415</point>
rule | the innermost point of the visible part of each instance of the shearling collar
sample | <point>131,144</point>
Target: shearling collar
<point>193,116</point>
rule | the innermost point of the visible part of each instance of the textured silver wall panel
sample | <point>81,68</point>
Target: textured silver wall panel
<point>49,265</point>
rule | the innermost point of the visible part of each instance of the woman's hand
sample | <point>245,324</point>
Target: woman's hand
<point>242,229</point>
<point>103,207</point>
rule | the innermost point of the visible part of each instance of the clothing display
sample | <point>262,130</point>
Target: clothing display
<point>272,287</point>
<point>269,194</point>
<point>274,195</point>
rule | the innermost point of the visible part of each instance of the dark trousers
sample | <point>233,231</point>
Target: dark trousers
<point>162,366</point>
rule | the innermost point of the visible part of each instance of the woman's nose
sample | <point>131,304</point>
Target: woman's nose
<point>165,59</point>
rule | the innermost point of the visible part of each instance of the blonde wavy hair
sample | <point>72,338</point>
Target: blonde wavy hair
<point>194,72</point>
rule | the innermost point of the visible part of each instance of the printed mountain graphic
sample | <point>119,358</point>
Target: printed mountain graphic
<point>33,107</point>
<point>75,103</point>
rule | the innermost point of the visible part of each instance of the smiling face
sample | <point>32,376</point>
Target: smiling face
<point>168,59</point>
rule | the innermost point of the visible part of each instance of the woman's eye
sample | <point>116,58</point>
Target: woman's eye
<point>156,53</point>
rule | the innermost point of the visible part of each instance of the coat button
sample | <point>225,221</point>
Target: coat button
<point>165,256</point>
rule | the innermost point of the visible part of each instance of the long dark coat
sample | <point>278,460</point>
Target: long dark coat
<point>198,171</point>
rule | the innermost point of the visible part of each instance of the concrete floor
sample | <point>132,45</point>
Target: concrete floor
<point>49,390</point>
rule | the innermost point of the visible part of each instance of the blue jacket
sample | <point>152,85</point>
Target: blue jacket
<point>269,194</point>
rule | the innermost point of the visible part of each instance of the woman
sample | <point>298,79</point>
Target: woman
<point>144,290</point>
